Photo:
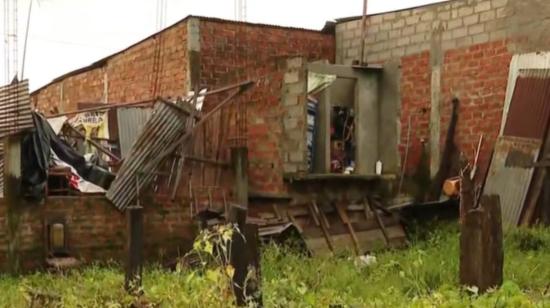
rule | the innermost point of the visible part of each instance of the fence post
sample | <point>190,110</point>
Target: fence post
<point>134,266</point>
<point>245,259</point>
<point>481,252</point>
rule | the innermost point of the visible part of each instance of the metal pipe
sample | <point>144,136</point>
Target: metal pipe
<point>363,32</point>
<point>26,40</point>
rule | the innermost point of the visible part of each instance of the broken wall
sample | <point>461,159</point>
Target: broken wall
<point>457,48</point>
<point>275,57</point>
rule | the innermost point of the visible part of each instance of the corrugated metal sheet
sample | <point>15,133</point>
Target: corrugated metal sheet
<point>535,60</point>
<point>510,174</point>
<point>529,109</point>
<point>130,124</point>
<point>15,108</point>
<point>164,127</point>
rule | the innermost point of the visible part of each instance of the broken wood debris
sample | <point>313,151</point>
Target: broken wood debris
<point>98,146</point>
<point>165,132</point>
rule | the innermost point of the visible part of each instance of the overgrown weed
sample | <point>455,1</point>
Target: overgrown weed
<point>424,275</point>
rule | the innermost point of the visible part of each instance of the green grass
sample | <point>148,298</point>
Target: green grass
<point>424,275</point>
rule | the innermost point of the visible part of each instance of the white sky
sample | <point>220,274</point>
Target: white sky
<point>68,34</point>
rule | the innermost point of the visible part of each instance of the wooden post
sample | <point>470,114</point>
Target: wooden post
<point>245,259</point>
<point>481,251</point>
<point>239,162</point>
<point>545,210</point>
<point>12,195</point>
<point>467,197</point>
<point>134,266</point>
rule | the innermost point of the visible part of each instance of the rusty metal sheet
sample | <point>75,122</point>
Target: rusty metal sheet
<point>166,124</point>
<point>15,108</point>
<point>529,109</point>
<point>510,174</point>
<point>130,124</point>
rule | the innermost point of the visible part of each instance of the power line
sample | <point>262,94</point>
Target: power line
<point>62,42</point>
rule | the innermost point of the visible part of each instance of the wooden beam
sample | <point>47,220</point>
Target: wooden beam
<point>153,163</point>
<point>370,203</point>
<point>149,101</point>
<point>94,143</point>
<point>103,108</point>
<point>346,221</point>
<point>324,227</point>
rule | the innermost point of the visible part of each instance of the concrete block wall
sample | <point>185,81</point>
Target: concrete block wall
<point>456,48</point>
<point>294,116</point>
<point>408,32</point>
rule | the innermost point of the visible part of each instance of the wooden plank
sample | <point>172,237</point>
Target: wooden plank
<point>369,240</point>
<point>378,220</point>
<point>315,219</point>
<point>345,219</point>
<point>321,215</point>
<point>366,207</point>
<point>324,228</point>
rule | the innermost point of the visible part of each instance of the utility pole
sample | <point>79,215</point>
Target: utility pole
<point>10,40</point>
<point>161,14</point>
<point>240,10</point>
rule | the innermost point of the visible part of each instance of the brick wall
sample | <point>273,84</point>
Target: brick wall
<point>415,104</point>
<point>479,74</point>
<point>97,231</point>
<point>213,53</point>
<point>457,48</point>
<point>231,52</point>
<point>156,66</point>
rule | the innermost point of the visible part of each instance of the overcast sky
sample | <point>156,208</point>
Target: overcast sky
<point>68,34</point>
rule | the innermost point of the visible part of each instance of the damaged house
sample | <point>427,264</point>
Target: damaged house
<point>336,135</point>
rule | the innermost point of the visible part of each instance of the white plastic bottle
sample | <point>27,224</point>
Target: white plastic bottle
<point>378,168</point>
